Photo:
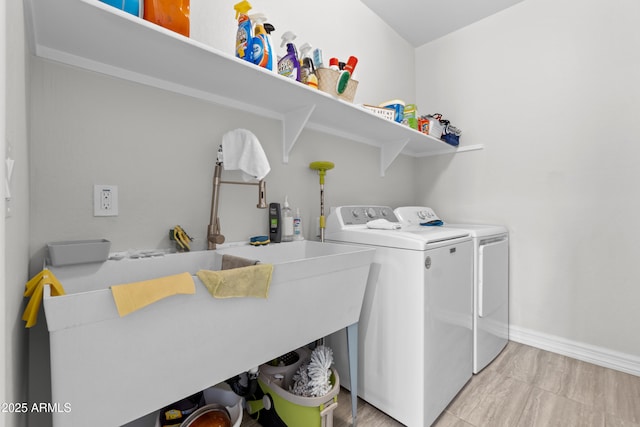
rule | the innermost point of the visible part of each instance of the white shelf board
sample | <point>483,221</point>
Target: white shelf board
<point>97,37</point>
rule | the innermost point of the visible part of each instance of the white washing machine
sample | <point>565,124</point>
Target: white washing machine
<point>491,282</point>
<point>415,329</point>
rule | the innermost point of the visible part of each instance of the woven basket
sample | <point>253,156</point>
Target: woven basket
<point>328,79</point>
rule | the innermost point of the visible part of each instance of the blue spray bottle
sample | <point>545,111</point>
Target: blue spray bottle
<point>262,51</point>
<point>244,36</point>
<point>289,66</point>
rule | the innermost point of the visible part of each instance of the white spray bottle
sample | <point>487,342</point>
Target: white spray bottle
<point>289,66</point>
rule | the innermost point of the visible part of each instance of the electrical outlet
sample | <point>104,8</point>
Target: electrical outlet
<point>105,200</point>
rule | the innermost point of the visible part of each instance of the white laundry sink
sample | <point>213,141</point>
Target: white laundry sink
<point>112,370</point>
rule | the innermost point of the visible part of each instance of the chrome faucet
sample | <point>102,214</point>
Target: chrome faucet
<point>214,237</point>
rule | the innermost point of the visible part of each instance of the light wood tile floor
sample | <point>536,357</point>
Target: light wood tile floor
<point>525,387</point>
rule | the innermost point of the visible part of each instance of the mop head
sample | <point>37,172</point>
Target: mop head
<point>312,379</point>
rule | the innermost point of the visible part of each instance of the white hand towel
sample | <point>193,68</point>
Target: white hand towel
<point>241,150</point>
<point>383,224</point>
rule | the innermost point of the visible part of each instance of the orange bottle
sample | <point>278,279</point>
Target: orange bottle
<point>171,14</point>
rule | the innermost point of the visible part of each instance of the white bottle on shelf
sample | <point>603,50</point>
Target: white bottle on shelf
<point>287,222</point>
<point>298,233</point>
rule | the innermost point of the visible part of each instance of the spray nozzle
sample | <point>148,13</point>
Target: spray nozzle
<point>242,8</point>
<point>305,48</point>
<point>269,28</point>
<point>258,18</point>
<point>287,37</point>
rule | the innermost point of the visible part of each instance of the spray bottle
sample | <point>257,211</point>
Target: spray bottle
<point>289,66</point>
<point>262,52</point>
<point>244,36</point>
<point>269,28</point>
<point>307,68</point>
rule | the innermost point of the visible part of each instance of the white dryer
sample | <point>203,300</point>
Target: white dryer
<point>491,281</point>
<point>415,328</point>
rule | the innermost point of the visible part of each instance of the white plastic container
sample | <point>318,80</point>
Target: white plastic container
<point>435,129</point>
<point>78,252</point>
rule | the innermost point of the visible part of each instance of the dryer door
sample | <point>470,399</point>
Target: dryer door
<point>493,276</point>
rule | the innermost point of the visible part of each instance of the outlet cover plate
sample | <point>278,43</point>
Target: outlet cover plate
<point>105,200</point>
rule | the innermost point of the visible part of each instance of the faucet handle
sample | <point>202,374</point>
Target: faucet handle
<point>213,236</point>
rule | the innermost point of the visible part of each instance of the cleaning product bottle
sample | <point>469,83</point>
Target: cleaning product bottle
<point>297,226</point>
<point>173,15</point>
<point>275,223</point>
<point>289,66</point>
<point>262,52</point>
<point>287,222</point>
<point>274,61</point>
<point>306,63</point>
<point>317,58</point>
<point>346,74</point>
<point>244,36</point>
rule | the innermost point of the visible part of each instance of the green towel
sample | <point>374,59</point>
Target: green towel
<point>251,281</point>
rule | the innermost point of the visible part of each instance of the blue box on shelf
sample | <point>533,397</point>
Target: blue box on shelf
<point>129,6</point>
<point>396,105</point>
<point>451,139</point>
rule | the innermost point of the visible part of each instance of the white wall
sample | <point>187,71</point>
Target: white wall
<point>552,91</point>
<point>340,28</point>
<point>3,279</point>
<point>15,229</point>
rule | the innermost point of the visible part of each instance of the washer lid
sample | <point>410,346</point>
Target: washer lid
<point>418,240</point>
<point>415,215</point>
<point>348,224</point>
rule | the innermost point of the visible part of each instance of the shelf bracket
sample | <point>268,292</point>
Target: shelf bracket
<point>292,124</point>
<point>388,153</point>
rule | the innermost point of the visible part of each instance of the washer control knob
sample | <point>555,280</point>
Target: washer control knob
<point>370,212</point>
<point>355,213</point>
<point>425,214</point>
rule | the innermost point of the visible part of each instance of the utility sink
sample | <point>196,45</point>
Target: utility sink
<point>112,370</point>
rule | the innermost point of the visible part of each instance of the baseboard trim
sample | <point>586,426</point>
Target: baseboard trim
<point>587,353</point>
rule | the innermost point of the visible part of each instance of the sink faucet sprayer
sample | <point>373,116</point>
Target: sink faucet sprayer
<point>214,237</point>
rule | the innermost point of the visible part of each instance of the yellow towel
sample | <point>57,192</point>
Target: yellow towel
<point>34,289</point>
<point>130,297</point>
<point>251,281</point>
